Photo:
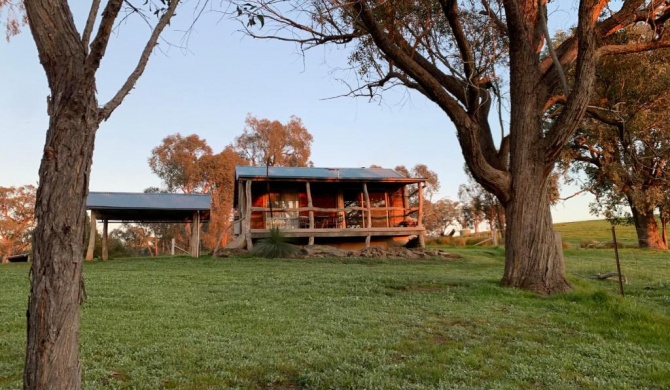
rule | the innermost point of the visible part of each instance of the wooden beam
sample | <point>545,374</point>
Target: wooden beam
<point>340,205</point>
<point>247,213</point>
<point>420,221</point>
<point>422,235</point>
<point>367,205</point>
<point>105,249</point>
<point>308,188</point>
<point>348,232</point>
<point>195,235</point>
<point>388,214</point>
<point>91,238</point>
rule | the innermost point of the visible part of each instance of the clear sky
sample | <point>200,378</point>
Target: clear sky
<point>208,88</point>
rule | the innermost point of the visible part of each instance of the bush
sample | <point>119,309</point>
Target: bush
<point>274,246</point>
<point>590,244</point>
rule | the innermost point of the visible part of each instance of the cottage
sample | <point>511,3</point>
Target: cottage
<point>343,207</point>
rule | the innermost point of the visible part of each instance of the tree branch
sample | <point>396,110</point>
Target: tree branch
<point>633,47</point>
<point>450,10</point>
<point>90,22</point>
<point>567,122</point>
<point>105,111</point>
<point>594,113</point>
<point>567,51</point>
<point>101,40</point>
<point>496,20</point>
<point>495,180</point>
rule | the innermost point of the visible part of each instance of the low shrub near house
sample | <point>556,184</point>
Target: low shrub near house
<point>275,246</point>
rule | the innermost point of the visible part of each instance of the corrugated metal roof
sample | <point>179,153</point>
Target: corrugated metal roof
<point>369,174</point>
<point>142,201</point>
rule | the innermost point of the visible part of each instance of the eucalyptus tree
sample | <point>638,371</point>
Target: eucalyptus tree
<point>17,218</point>
<point>269,142</point>
<point>622,148</point>
<point>421,171</point>
<point>454,52</point>
<point>70,54</point>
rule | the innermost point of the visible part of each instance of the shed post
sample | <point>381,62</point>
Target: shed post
<point>310,204</point>
<point>340,205</point>
<point>369,212</point>
<point>195,235</point>
<point>422,235</point>
<point>91,238</point>
<point>247,214</point>
<point>105,249</point>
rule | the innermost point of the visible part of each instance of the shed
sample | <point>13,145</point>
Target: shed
<point>344,207</point>
<point>147,207</point>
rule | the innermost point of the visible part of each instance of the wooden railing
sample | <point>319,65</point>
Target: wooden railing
<point>337,218</point>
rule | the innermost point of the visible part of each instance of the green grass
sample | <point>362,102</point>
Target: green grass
<point>249,323</point>
<point>596,230</point>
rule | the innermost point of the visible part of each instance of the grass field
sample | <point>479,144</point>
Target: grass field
<point>596,230</point>
<point>358,324</point>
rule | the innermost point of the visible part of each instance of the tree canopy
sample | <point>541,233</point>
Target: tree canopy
<point>265,142</point>
<point>623,146</point>
<point>17,219</point>
<point>178,161</point>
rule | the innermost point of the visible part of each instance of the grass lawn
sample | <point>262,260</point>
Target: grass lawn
<point>598,230</point>
<point>358,324</point>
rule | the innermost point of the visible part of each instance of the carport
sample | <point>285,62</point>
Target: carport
<point>147,207</point>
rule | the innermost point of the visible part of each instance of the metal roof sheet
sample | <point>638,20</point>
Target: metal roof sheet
<point>380,174</point>
<point>142,201</point>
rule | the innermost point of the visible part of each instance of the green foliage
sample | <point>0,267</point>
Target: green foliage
<point>620,151</point>
<point>354,323</point>
<point>275,246</point>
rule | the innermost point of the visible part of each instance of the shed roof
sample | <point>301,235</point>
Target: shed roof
<point>142,207</point>
<point>326,174</point>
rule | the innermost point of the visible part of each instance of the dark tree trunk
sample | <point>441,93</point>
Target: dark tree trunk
<point>646,227</point>
<point>533,255</point>
<point>52,350</point>
<point>52,353</point>
<point>70,61</point>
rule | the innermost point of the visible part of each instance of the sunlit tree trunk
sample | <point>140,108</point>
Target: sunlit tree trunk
<point>646,227</point>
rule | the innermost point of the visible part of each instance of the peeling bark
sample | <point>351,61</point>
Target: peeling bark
<point>57,289</point>
<point>646,227</point>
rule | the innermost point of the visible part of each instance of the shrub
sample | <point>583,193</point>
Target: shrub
<point>274,246</point>
<point>590,244</point>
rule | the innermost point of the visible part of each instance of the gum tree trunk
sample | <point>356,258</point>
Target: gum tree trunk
<point>52,350</point>
<point>646,227</point>
<point>533,257</point>
<point>52,354</point>
<point>70,60</point>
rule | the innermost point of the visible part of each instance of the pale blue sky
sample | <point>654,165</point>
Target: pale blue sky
<point>209,89</point>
